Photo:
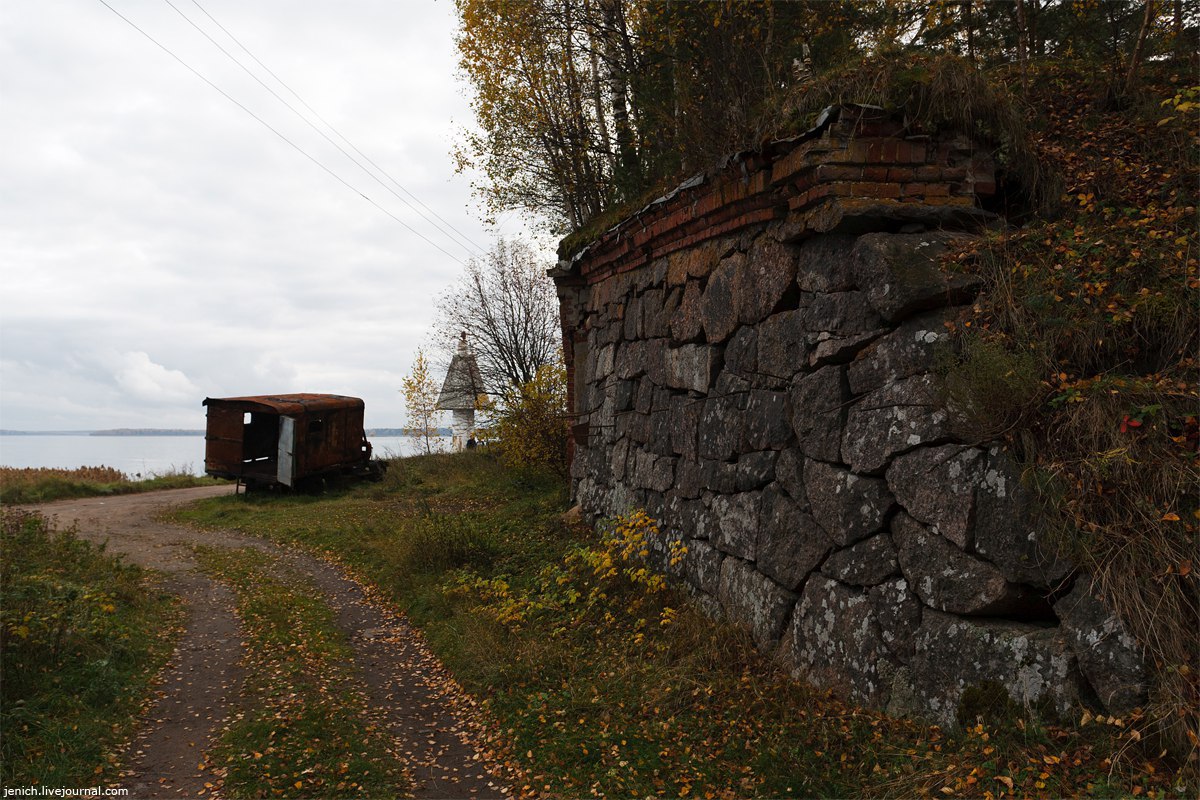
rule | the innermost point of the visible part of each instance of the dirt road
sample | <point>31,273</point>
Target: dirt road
<point>200,688</point>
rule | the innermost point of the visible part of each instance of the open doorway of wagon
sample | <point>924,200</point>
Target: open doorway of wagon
<point>289,440</point>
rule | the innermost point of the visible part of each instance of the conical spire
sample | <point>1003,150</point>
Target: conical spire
<point>463,383</point>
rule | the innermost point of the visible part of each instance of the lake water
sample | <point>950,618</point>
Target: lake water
<point>142,456</point>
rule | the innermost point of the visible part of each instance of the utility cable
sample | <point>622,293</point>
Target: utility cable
<point>309,123</point>
<point>462,236</point>
<point>266,125</point>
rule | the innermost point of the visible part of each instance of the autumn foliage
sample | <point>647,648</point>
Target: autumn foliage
<point>420,399</point>
<point>584,106</point>
<point>530,421</point>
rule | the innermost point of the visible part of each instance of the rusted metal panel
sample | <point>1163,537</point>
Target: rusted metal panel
<point>325,435</point>
<point>290,404</point>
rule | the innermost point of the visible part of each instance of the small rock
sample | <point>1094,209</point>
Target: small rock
<point>835,642</point>
<point>898,612</point>
<point>790,542</point>
<point>1032,664</point>
<point>909,350</point>
<point>818,411</point>
<point>718,308</point>
<point>901,275</point>
<point>893,420</point>
<point>948,579</point>
<point>737,521</point>
<point>936,486</point>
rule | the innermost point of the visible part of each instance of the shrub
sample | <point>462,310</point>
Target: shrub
<point>531,428</point>
<point>80,637</point>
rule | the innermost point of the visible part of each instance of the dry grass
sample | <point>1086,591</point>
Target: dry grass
<point>28,476</point>
<point>45,484</point>
<point>1102,302</point>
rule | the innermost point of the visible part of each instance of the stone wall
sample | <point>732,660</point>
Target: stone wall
<point>752,361</point>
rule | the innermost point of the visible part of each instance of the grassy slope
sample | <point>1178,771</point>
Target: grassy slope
<point>83,635</point>
<point>595,679</point>
<point>1082,353</point>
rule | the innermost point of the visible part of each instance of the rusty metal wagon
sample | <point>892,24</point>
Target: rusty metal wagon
<point>291,440</point>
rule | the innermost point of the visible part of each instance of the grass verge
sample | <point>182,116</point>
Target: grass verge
<point>83,634</point>
<point>43,484</point>
<point>597,679</point>
<point>304,727</point>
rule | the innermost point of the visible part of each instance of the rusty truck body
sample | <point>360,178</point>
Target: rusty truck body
<point>291,440</point>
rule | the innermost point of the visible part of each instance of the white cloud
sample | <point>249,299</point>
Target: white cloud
<point>153,383</point>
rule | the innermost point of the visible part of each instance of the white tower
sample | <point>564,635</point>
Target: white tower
<point>459,393</point>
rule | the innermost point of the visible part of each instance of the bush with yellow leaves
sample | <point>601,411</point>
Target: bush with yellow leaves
<point>530,423</point>
<point>609,581</point>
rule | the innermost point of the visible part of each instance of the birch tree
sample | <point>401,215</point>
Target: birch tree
<point>420,400</point>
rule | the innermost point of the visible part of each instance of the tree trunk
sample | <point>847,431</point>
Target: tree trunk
<point>969,25</point>
<point>618,89</point>
<point>1022,33</point>
<point>597,98</point>
<point>1135,60</point>
<point>1036,48</point>
<point>1177,30</point>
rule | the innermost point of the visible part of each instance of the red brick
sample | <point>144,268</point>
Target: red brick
<point>875,190</point>
<point>899,174</point>
<point>804,181</point>
<point>838,172</point>
<point>875,173</point>
<point>759,181</point>
<point>860,151</point>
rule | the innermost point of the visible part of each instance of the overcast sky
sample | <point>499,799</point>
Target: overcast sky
<point>158,245</point>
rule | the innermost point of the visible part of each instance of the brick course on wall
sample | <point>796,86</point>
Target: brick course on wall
<point>751,360</point>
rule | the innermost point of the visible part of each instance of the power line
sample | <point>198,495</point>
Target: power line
<point>332,128</point>
<point>456,239</point>
<point>266,125</point>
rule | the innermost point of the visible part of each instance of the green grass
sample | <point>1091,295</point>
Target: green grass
<point>594,679</point>
<point>304,727</point>
<point>82,636</point>
<point>44,485</point>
